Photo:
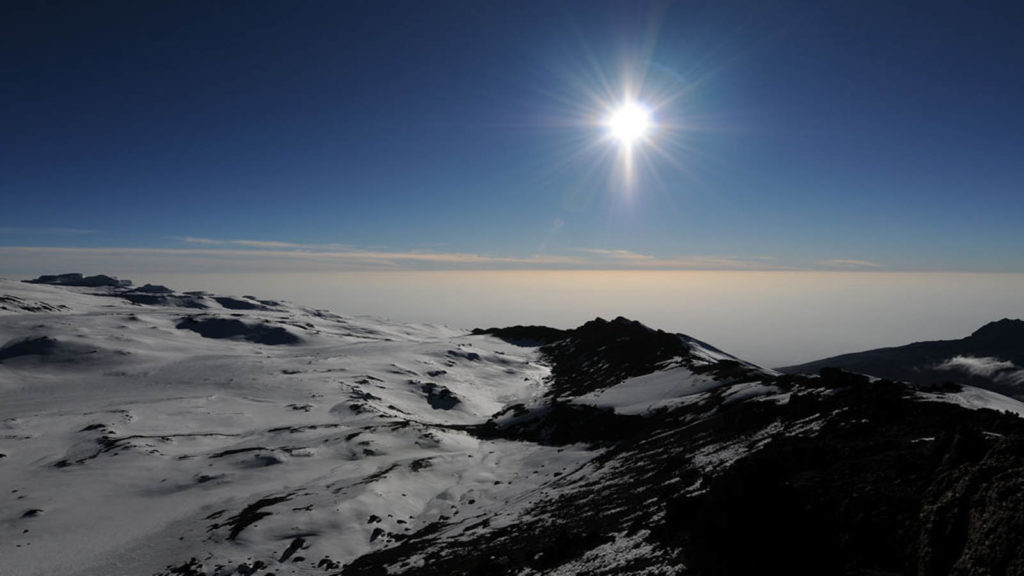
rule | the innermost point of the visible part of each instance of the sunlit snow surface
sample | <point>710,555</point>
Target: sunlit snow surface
<point>130,444</point>
<point>641,394</point>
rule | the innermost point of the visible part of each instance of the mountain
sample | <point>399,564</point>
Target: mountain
<point>164,433</point>
<point>992,357</point>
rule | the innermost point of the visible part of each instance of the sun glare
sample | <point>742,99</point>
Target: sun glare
<point>629,123</point>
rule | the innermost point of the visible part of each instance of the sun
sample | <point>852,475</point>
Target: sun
<point>629,123</point>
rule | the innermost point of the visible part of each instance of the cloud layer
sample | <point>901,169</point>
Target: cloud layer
<point>198,254</point>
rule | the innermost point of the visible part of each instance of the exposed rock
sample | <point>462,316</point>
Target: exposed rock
<point>439,397</point>
<point>250,514</point>
<point>236,304</point>
<point>530,336</point>
<point>153,289</point>
<point>48,349</point>
<point>173,300</point>
<point>295,545</point>
<point>32,346</point>
<point>76,279</point>
<point>262,333</point>
<point>8,302</point>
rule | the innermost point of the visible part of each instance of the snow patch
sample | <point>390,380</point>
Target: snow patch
<point>976,398</point>
<point>641,394</point>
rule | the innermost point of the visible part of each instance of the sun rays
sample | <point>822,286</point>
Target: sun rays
<point>627,121</point>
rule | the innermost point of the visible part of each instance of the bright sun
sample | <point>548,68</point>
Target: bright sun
<point>629,123</point>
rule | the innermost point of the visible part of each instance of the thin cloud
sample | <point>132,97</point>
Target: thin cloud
<point>265,244</point>
<point>206,241</point>
<point>298,259</point>
<point>258,243</point>
<point>717,263</point>
<point>629,259</point>
<point>626,255</point>
<point>591,257</point>
<point>849,263</point>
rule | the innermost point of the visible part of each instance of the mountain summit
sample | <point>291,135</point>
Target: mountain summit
<point>1001,332</point>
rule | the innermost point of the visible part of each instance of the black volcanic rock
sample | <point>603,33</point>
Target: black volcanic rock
<point>927,363</point>
<point>600,354</point>
<point>597,355</point>
<point>865,500</point>
<point>528,336</point>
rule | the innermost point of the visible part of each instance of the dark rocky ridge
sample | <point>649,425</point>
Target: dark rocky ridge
<point>528,336</point>
<point>602,353</point>
<point>918,363</point>
<point>887,484</point>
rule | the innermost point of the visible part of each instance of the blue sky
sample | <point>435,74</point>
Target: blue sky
<point>348,135</point>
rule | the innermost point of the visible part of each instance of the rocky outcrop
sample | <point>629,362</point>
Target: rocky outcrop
<point>75,279</point>
<point>218,328</point>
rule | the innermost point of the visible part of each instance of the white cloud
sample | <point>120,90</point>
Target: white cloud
<point>1002,371</point>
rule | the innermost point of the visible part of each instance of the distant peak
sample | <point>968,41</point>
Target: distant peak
<point>76,279</point>
<point>618,322</point>
<point>1000,330</point>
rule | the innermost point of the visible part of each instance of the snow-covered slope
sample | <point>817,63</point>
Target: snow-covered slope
<point>130,440</point>
<point>145,431</point>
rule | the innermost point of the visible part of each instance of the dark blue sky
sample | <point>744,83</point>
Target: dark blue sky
<point>874,135</point>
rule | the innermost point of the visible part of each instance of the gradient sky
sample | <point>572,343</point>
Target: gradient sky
<point>335,135</point>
